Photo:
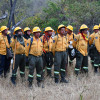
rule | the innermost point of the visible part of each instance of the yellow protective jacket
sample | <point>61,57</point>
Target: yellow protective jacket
<point>47,44</point>
<point>59,44</point>
<point>97,41</point>
<point>69,37</point>
<point>3,45</point>
<point>80,44</point>
<point>36,48</point>
<point>91,38</point>
<point>20,49</point>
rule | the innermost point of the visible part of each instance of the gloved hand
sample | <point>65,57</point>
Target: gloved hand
<point>15,36</point>
<point>70,42</point>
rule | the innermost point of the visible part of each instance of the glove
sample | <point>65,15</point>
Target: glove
<point>15,36</point>
<point>70,42</point>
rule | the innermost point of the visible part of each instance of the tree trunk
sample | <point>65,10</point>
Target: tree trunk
<point>11,13</point>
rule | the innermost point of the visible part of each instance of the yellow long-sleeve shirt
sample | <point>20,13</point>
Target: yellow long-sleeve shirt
<point>20,49</point>
<point>59,43</point>
<point>3,44</point>
<point>47,44</point>
<point>36,48</point>
<point>80,44</point>
<point>91,38</point>
<point>97,41</point>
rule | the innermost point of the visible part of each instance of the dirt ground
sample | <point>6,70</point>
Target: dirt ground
<point>78,88</point>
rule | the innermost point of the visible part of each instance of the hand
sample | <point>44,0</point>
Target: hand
<point>15,36</point>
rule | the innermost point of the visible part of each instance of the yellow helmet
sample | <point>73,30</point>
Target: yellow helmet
<point>99,25</point>
<point>27,29</point>
<point>8,32</point>
<point>60,26</point>
<point>4,28</point>
<point>96,27</point>
<point>0,33</point>
<point>17,28</point>
<point>48,29</point>
<point>70,27</point>
<point>36,29</point>
<point>83,27</point>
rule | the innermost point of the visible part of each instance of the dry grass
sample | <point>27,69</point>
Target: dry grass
<point>87,87</point>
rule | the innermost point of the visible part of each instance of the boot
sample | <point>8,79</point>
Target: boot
<point>95,70</point>
<point>30,84</point>
<point>63,80</point>
<point>13,80</point>
<point>76,72</point>
<point>39,84</point>
<point>56,80</point>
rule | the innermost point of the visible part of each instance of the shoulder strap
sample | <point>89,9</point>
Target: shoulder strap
<point>31,43</point>
<point>5,42</point>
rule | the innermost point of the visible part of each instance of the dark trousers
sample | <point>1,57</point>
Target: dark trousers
<point>47,61</point>
<point>35,62</point>
<point>91,53</point>
<point>60,64</point>
<point>19,62</point>
<point>96,60</point>
<point>81,62</point>
<point>4,64</point>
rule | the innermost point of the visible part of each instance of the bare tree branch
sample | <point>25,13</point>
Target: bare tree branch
<point>4,16</point>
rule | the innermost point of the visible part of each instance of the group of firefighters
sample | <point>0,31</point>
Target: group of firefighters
<point>40,51</point>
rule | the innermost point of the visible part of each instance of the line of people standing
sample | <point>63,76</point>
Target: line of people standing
<point>37,51</point>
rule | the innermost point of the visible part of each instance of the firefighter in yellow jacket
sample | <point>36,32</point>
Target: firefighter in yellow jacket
<point>92,44</point>
<point>60,58</point>
<point>70,37</point>
<point>18,47</point>
<point>34,50</point>
<point>4,62</point>
<point>81,44</point>
<point>27,35</point>
<point>97,52</point>
<point>47,50</point>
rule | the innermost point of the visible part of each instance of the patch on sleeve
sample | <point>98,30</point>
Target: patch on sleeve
<point>27,44</point>
<point>75,39</point>
<point>53,41</point>
<point>90,38</point>
<point>96,37</point>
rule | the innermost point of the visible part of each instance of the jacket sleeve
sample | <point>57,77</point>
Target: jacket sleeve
<point>12,42</point>
<point>91,39</point>
<point>54,44</point>
<point>75,40</point>
<point>27,47</point>
<point>97,43</point>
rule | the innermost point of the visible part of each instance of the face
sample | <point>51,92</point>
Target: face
<point>69,31</point>
<point>28,32</point>
<point>62,31</point>
<point>96,31</point>
<point>49,33</point>
<point>85,31</point>
<point>37,34</point>
<point>19,32</point>
<point>5,32</point>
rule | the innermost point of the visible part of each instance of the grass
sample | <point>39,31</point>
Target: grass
<point>80,88</point>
